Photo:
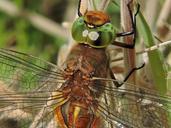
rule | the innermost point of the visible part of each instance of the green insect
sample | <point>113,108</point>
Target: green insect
<point>95,29</point>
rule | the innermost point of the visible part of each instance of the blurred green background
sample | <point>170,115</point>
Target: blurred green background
<point>17,32</point>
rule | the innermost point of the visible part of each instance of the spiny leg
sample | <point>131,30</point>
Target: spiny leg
<point>82,7</point>
<point>133,32</point>
<point>130,46</point>
<point>79,6</point>
<point>116,83</point>
<point>133,21</point>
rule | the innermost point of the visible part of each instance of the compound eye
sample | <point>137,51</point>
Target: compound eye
<point>97,37</point>
<point>93,36</point>
<point>79,32</point>
<point>103,36</point>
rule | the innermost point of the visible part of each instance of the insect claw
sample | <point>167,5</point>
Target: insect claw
<point>140,66</point>
<point>138,9</point>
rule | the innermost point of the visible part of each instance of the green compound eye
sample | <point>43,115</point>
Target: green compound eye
<point>78,28</point>
<point>97,37</point>
<point>106,34</point>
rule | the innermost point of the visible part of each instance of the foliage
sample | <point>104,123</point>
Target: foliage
<point>19,34</point>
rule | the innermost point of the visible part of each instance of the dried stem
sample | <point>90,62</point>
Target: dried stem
<point>146,50</point>
<point>162,27</point>
<point>151,11</point>
<point>103,4</point>
<point>40,22</point>
<point>129,54</point>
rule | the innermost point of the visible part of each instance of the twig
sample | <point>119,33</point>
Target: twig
<point>40,22</point>
<point>103,5</point>
<point>129,54</point>
<point>46,25</point>
<point>147,49</point>
<point>151,11</point>
<point>163,30</point>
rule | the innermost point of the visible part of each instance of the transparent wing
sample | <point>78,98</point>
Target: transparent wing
<point>26,90</point>
<point>27,72</point>
<point>29,92</point>
<point>135,108</point>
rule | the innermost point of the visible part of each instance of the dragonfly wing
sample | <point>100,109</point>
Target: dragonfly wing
<point>26,72</point>
<point>26,89</point>
<point>137,108</point>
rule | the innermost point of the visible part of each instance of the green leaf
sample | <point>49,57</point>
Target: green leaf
<point>159,70</point>
<point>155,57</point>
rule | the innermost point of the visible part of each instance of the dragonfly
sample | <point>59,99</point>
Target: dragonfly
<point>80,94</point>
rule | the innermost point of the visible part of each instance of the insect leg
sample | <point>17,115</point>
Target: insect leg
<point>133,21</point>
<point>133,32</point>
<point>116,83</point>
<point>82,7</point>
<point>79,6</point>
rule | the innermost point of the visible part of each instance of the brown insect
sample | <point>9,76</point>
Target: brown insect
<point>80,94</point>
